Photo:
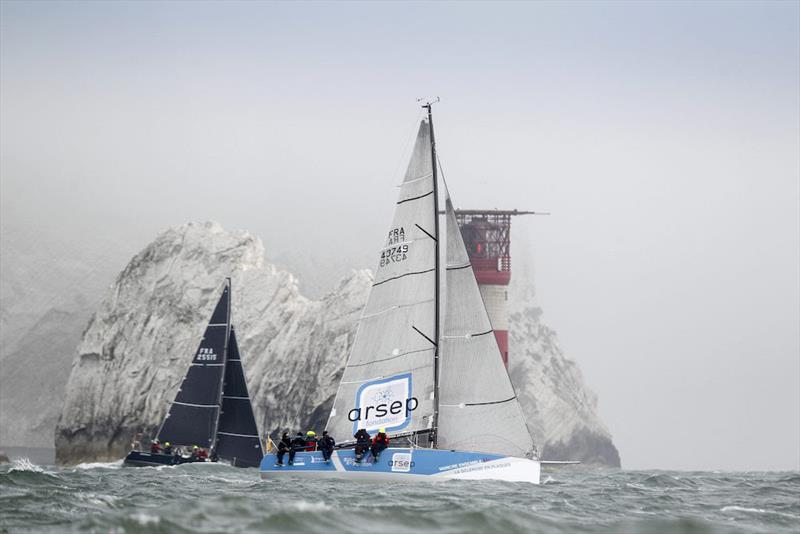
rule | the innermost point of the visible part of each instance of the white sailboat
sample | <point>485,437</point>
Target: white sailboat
<point>425,365</point>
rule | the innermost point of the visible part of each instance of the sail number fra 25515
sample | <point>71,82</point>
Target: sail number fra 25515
<point>206,354</point>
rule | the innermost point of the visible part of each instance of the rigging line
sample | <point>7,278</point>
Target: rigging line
<point>415,198</point>
<point>396,307</point>
<point>459,267</point>
<point>416,179</point>
<point>441,169</point>
<point>479,403</point>
<point>401,276</point>
<point>423,335</point>
<point>424,230</point>
<point>239,435</point>
<point>469,336</point>
<point>410,370</point>
<point>409,139</point>
<point>196,405</point>
<point>387,359</point>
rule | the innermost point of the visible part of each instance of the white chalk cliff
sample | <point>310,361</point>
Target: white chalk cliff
<point>138,345</point>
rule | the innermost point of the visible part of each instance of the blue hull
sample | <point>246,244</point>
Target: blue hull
<point>406,464</point>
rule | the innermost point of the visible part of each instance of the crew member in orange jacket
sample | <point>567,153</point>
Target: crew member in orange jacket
<point>379,443</point>
<point>311,441</point>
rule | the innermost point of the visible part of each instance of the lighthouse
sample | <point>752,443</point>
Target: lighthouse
<point>487,235</point>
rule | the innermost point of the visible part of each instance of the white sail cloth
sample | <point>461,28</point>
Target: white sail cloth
<point>389,378</point>
<point>478,409</point>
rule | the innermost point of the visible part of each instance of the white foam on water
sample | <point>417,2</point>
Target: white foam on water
<point>743,509</point>
<point>756,511</point>
<point>305,506</point>
<point>24,464</point>
<point>145,519</point>
<point>238,481</point>
<point>99,499</point>
<point>158,467</point>
<point>116,464</point>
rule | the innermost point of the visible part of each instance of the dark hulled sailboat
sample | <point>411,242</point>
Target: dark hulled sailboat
<point>212,408</point>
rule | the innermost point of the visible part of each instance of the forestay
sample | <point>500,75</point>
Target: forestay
<point>478,409</point>
<point>389,378</point>
<point>192,417</point>
<point>237,437</point>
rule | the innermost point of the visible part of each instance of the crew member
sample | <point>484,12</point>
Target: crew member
<point>193,457</point>
<point>155,447</point>
<point>167,448</point>
<point>363,441</point>
<point>284,445</point>
<point>202,455</point>
<point>136,444</point>
<point>379,443</point>
<point>311,441</point>
<point>326,445</point>
<point>298,444</point>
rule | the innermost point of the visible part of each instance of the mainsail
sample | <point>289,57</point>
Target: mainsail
<point>193,415</point>
<point>237,437</point>
<point>388,381</point>
<point>478,409</point>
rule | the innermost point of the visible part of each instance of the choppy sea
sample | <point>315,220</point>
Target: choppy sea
<point>105,497</point>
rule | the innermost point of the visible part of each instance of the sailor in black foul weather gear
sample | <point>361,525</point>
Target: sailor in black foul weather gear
<point>326,445</point>
<point>379,443</point>
<point>363,442</point>
<point>298,444</point>
<point>284,445</point>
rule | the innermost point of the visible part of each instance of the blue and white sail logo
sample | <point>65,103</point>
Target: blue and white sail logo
<point>384,403</point>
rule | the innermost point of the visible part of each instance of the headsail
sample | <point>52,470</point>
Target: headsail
<point>389,378</point>
<point>192,417</point>
<point>237,437</point>
<point>478,409</point>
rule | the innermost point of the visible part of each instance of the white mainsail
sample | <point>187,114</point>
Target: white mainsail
<point>478,409</point>
<point>388,381</point>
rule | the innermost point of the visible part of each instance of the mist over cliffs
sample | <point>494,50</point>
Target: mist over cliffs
<point>138,344</point>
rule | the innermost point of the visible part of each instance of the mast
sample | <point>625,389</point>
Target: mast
<point>436,299</point>
<point>224,361</point>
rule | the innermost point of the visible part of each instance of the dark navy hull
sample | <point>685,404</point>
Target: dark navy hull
<point>147,459</point>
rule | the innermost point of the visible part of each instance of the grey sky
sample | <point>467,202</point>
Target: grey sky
<point>663,136</point>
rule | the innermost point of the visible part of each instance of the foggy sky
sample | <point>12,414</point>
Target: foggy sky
<point>663,137</point>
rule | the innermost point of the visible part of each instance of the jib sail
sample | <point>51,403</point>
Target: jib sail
<point>237,437</point>
<point>478,408</point>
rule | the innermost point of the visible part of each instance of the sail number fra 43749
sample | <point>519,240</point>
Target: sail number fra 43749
<point>394,254</point>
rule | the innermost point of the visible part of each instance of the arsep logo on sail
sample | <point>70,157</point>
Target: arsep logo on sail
<point>385,403</point>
